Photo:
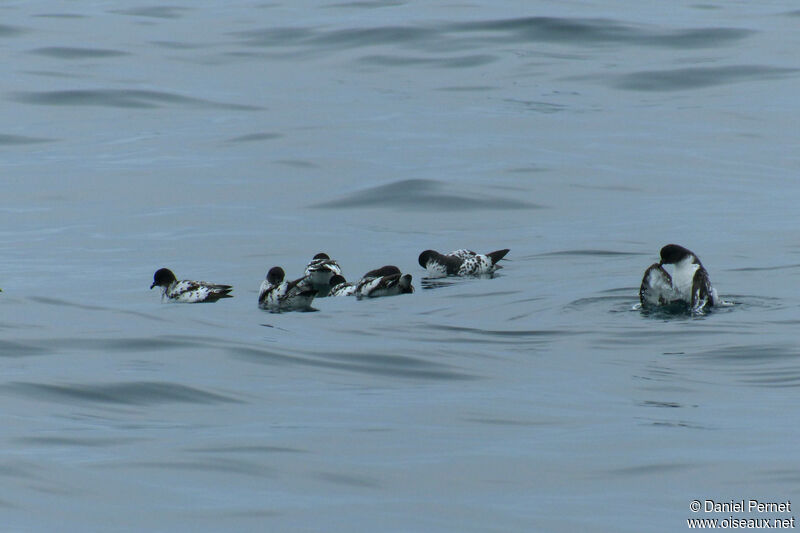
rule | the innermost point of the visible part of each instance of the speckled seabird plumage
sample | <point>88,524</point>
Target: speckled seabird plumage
<point>188,291</point>
<point>391,285</point>
<point>689,283</point>
<point>276,294</point>
<point>319,272</point>
<point>341,287</point>
<point>461,263</point>
<point>384,281</point>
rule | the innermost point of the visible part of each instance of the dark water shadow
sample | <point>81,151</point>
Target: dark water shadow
<point>380,35</point>
<point>661,404</point>
<point>158,12</point>
<point>764,269</point>
<point>16,349</point>
<point>756,353</point>
<point>366,4</point>
<point>8,140</point>
<point>11,31</point>
<point>467,88</point>
<point>348,480</point>
<point>296,163</point>
<point>401,366</point>
<point>422,195</point>
<point>178,45</point>
<point>249,448</point>
<point>649,469</point>
<point>683,424</point>
<point>477,34</point>
<point>124,344</point>
<point>255,137</point>
<point>136,393</point>
<point>487,421</point>
<point>762,365</point>
<point>66,303</point>
<point>210,464</point>
<point>120,98</point>
<point>61,16</point>
<point>467,61</point>
<point>508,337</point>
<point>19,469</point>
<point>66,52</point>
<point>584,31</point>
<point>436,283</point>
<point>537,106</point>
<point>86,442</point>
<point>697,77</point>
<point>586,252</point>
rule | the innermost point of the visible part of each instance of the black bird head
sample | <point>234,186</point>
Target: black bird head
<point>673,253</point>
<point>163,277</point>
<point>426,256</point>
<point>275,275</point>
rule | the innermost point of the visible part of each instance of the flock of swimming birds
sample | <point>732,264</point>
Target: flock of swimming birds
<point>688,286</point>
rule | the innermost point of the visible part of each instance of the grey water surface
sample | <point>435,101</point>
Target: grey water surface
<point>222,138</point>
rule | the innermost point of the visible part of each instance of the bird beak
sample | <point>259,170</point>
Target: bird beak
<point>153,285</point>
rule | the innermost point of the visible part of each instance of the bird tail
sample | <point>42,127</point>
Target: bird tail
<point>497,255</point>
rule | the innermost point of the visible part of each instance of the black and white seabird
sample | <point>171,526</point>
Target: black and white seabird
<point>384,281</point>
<point>276,294</point>
<point>188,291</point>
<point>461,263</point>
<point>689,283</point>
<point>385,285</point>
<point>341,287</point>
<point>319,272</point>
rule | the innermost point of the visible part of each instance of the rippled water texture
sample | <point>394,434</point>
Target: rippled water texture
<point>221,139</point>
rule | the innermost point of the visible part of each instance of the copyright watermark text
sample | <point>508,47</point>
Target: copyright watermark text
<point>741,514</point>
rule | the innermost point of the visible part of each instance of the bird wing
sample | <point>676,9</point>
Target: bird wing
<point>656,287</point>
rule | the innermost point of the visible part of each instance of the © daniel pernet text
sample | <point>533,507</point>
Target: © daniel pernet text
<point>742,506</point>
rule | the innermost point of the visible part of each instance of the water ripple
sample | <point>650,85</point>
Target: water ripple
<point>159,12</point>
<point>421,194</point>
<point>229,466</point>
<point>647,469</point>
<point>10,31</point>
<point>509,337</point>
<point>696,77</point>
<point>589,252</point>
<point>21,139</point>
<point>97,442</point>
<point>764,269</point>
<point>348,480</point>
<point>357,37</point>
<point>123,98</point>
<point>435,62</point>
<point>130,393</point>
<point>255,137</point>
<point>367,4</point>
<point>366,363</point>
<point>589,31</point>
<point>249,448</point>
<point>752,354</point>
<point>475,34</point>
<point>66,52</point>
<point>15,349</point>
